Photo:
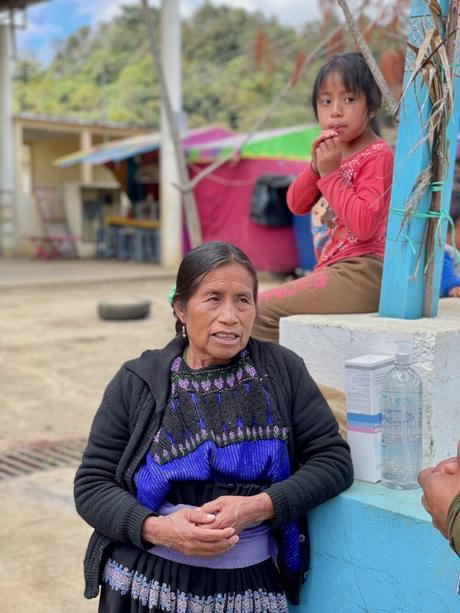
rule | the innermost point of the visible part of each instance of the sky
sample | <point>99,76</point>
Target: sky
<point>57,19</point>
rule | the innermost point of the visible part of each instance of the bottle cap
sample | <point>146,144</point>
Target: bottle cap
<point>404,352</point>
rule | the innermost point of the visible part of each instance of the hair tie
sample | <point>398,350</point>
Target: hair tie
<point>171,294</point>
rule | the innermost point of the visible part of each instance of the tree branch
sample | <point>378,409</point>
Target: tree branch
<point>388,97</point>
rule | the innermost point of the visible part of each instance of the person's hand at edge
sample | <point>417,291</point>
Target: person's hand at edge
<point>440,485</point>
<point>450,465</point>
<point>454,292</point>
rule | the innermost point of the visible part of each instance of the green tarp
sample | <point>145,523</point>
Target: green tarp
<point>285,144</point>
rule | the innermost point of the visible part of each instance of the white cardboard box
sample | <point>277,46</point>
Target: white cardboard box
<point>366,453</point>
<point>364,376</point>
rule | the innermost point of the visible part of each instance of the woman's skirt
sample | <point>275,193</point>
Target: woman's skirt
<point>135,581</point>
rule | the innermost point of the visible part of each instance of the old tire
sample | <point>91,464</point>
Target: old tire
<point>123,309</point>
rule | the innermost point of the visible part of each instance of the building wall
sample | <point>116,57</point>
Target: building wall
<point>38,144</point>
<point>101,174</point>
<point>43,152</point>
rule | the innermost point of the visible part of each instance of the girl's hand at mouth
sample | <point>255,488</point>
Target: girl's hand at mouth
<point>321,138</point>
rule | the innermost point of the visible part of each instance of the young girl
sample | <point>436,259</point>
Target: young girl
<point>351,171</point>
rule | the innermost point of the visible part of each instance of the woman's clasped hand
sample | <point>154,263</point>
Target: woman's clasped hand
<point>190,531</point>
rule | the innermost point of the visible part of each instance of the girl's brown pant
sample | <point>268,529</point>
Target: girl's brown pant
<point>348,286</point>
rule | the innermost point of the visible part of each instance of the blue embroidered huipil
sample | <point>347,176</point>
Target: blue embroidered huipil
<point>220,427</point>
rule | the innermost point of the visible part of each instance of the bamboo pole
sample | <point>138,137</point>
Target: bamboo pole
<point>190,208</point>
<point>440,164</point>
<point>388,97</point>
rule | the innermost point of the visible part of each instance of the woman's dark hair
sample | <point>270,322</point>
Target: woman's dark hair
<point>356,76</point>
<point>202,260</point>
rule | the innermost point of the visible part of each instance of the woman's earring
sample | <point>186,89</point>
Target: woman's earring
<point>184,331</point>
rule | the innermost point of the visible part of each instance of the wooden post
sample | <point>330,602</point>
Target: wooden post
<point>406,254</point>
<point>86,170</point>
<point>8,229</point>
<point>190,208</point>
<point>441,167</point>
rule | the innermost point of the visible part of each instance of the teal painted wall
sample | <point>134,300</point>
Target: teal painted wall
<point>375,550</point>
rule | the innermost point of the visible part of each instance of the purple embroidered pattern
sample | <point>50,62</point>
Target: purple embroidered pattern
<point>222,405</point>
<point>152,594</point>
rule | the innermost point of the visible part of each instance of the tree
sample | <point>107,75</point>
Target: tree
<point>234,64</point>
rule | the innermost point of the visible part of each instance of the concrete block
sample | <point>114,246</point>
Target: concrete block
<point>375,550</point>
<point>326,341</point>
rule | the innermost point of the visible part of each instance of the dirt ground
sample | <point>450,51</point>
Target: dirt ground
<point>56,358</point>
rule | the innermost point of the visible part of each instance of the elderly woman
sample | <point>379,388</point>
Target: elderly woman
<point>205,457</point>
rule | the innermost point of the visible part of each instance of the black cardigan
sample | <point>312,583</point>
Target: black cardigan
<point>130,414</point>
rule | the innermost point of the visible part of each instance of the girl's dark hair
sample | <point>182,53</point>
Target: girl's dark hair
<point>356,76</point>
<point>202,260</point>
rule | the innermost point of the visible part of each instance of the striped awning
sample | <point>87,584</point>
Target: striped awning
<point>206,144</point>
<point>121,149</point>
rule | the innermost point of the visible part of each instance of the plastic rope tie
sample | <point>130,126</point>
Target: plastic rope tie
<point>440,216</point>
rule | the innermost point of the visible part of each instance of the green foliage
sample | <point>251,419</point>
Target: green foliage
<point>108,74</point>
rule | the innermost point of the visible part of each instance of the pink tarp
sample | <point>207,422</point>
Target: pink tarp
<point>205,135</point>
<point>223,201</point>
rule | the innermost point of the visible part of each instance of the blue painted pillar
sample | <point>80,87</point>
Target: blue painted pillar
<point>375,550</point>
<point>403,282</point>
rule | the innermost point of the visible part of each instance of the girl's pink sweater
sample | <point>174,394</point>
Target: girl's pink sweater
<point>359,195</point>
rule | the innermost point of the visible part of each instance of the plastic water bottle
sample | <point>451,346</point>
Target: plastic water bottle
<point>402,416</point>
